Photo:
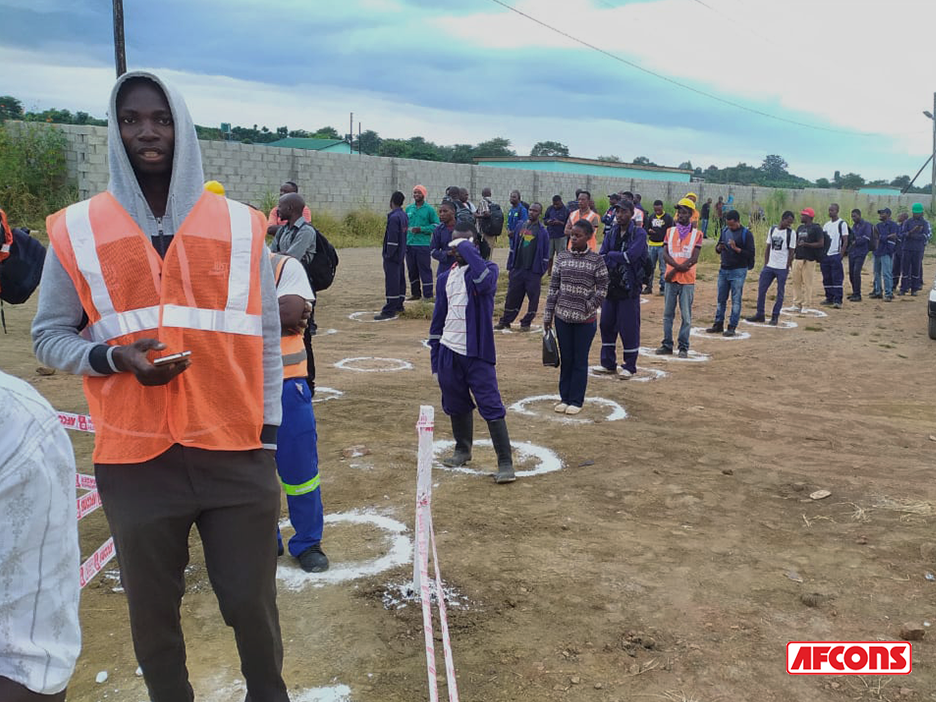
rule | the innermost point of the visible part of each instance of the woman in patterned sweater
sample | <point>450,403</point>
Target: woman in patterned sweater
<point>578,287</point>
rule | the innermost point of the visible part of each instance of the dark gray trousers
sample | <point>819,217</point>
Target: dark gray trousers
<point>233,498</point>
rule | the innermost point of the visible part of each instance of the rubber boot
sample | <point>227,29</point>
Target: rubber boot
<point>463,431</point>
<point>716,328</point>
<point>501,440</point>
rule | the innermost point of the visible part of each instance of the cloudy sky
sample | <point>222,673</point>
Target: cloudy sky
<point>857,73</point>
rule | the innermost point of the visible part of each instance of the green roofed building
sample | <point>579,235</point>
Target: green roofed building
<point>334,146</point>
<point>587,166</point>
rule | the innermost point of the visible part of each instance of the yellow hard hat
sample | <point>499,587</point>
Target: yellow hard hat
<point>686,202</point>
<point>215,187</point>
<point>692,196</point>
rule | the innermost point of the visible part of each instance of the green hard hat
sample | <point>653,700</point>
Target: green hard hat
<point>917,208</point>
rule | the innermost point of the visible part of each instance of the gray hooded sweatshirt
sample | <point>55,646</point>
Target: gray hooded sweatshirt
<point>60,317</point>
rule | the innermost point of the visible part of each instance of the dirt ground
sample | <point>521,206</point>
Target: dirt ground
<point>662,562</point>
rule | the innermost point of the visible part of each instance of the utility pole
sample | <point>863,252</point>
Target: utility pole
<point>358,138</point>
<point>933,183</point>
<point>351,135</point>
<point>120,49</point>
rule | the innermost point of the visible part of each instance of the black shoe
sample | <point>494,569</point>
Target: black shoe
<point>855,298</point>
<point>901,292</point>
<point>501,440</point>
<point>729,332</point>
<point>313,559</point>
<point>524,327</point>
<point>501,325</point>
<point>384,315</point>
<point>664,351</point>
<point>716,328</point>
<point>826,303</point>
<point>683,353</point>
<point>757,318</point>
<point>875,296</point>
<point>463,431</point>
<point>773,321</point>
<point>647,290</point>
<point>888,298</point>
<point>413,298</point>
<point>913,293</point>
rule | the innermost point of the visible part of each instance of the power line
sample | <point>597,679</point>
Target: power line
<point>675,82</point>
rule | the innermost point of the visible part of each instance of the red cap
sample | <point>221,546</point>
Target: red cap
<point>809,211</point>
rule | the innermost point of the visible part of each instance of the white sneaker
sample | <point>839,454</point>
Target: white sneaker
<point>561,408</point>
<point>572,409</point>
<point>603,370</point>
<point>624,373</point>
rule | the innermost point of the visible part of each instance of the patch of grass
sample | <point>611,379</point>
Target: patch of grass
<point>815,329</point>
<point>359,228</point>
<point>887,346</point>
<point>418,310</point>
<point>33,175</point>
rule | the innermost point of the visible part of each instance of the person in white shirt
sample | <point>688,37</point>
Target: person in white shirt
<point>778,258</point>
<point>833,275</point>
<point>39,633</point>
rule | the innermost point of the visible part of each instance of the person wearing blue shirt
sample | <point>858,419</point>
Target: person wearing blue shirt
<point>624,251</point>
<point>737,250</point>
<point>527,262</point>
<point>394,256</point>
<point>917,233</point>
<point>898,250</point>
<point>859,244</point>
<point>884,237</point>
<point>441,236</point>
<point>518,213</point>
<point>462,354</point>
<point>555,219</point>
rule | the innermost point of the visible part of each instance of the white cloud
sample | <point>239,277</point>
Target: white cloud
<point>819,57</point>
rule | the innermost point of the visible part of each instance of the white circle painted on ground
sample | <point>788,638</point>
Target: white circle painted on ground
<point>357,316</point>
<point>806,312</point>
<point>615,414</point>
<point>701,333</point>
<point>399,365</point>
<point>549,461</point>
<point>644,301</point>
<point>221,692</point>
<point>425,342</point>
<point>533,328</point>
<point>694,356</point>
<point>323,394</point>
<point>781,324</point>
<point>644,374</point>
<point>400,552</point>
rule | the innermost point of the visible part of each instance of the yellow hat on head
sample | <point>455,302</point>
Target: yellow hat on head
<point>692,196</point>
<point>215,187</point>
<point>686,202</point>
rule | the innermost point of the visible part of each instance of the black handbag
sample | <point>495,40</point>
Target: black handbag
<point>550,350</point>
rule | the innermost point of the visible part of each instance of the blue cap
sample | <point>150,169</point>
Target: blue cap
<point>886,210</point>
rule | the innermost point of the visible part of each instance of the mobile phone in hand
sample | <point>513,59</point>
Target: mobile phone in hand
<point>171,358</point>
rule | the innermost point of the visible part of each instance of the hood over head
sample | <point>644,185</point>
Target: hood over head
<point>188,177</point>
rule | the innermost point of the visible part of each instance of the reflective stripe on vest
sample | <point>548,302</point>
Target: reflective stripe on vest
<point>292,347</point>
<point>233,319</point>
<point>7,235</point>
<point>682,252</point>
<point>303,488</point>
<point>203,297</point>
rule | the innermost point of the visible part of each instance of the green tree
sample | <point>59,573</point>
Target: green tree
<point>643,161</point>
<point>367,143</point>
<point>823,183</point>
<point>493,148</point>
<point>10,108</point>
<point>901,181</point>
<point>549,148</point>
<point>394,148</point>
<point>610,159</point>
<point>851,181</point>
<point>775,166</point>
<point>686,165</point>
<point>327,133</point>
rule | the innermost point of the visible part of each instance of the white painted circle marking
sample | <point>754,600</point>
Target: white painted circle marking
<point>644,301</point>
<point>345,364</point>
<point>806,312</point>
<point>400,552</point>
<point>323,394</point>
<point>616,413</point>
<point>700,333</point>
<point>781,324</point>
<point>644,374</point>
<point>549,461</point>
<point>425,342</point>
<point>533,328</point>
<point>327,332</point>
<point>356,316</point>
<point>694,356</point>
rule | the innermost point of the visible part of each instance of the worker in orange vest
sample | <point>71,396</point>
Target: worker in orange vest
<point>681,249</point>
<point>297,445</point>
<point>158,268</point>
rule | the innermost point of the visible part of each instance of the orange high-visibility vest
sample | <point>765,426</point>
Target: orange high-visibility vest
<point>595,220</point>
<point>295,360</point>
<point>204,297</point>
<point>681,250</point>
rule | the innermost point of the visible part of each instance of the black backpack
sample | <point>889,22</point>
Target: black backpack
<point>21,271</point>
<point>493,225</point>
<point>322,267</point>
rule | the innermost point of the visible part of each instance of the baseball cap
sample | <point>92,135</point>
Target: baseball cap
<point>886,210</point>
<point>808,211</point>
<point>614,196</point>
<point>917,208</point>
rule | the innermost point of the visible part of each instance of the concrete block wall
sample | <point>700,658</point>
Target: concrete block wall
<point>339,183</point>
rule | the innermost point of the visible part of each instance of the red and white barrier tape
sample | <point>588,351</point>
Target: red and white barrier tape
<point>95,564</point>
<point>76,422</point>
<point>425,536</point>
<point>88,503</point>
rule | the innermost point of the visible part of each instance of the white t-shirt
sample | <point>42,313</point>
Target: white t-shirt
<point>455,331</point>
<point>39,633</point>
<point>836,230</point>
<point>777,240</point>
<point>294,281</point>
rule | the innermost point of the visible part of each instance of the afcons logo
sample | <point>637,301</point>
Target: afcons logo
<point>849,658</point>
